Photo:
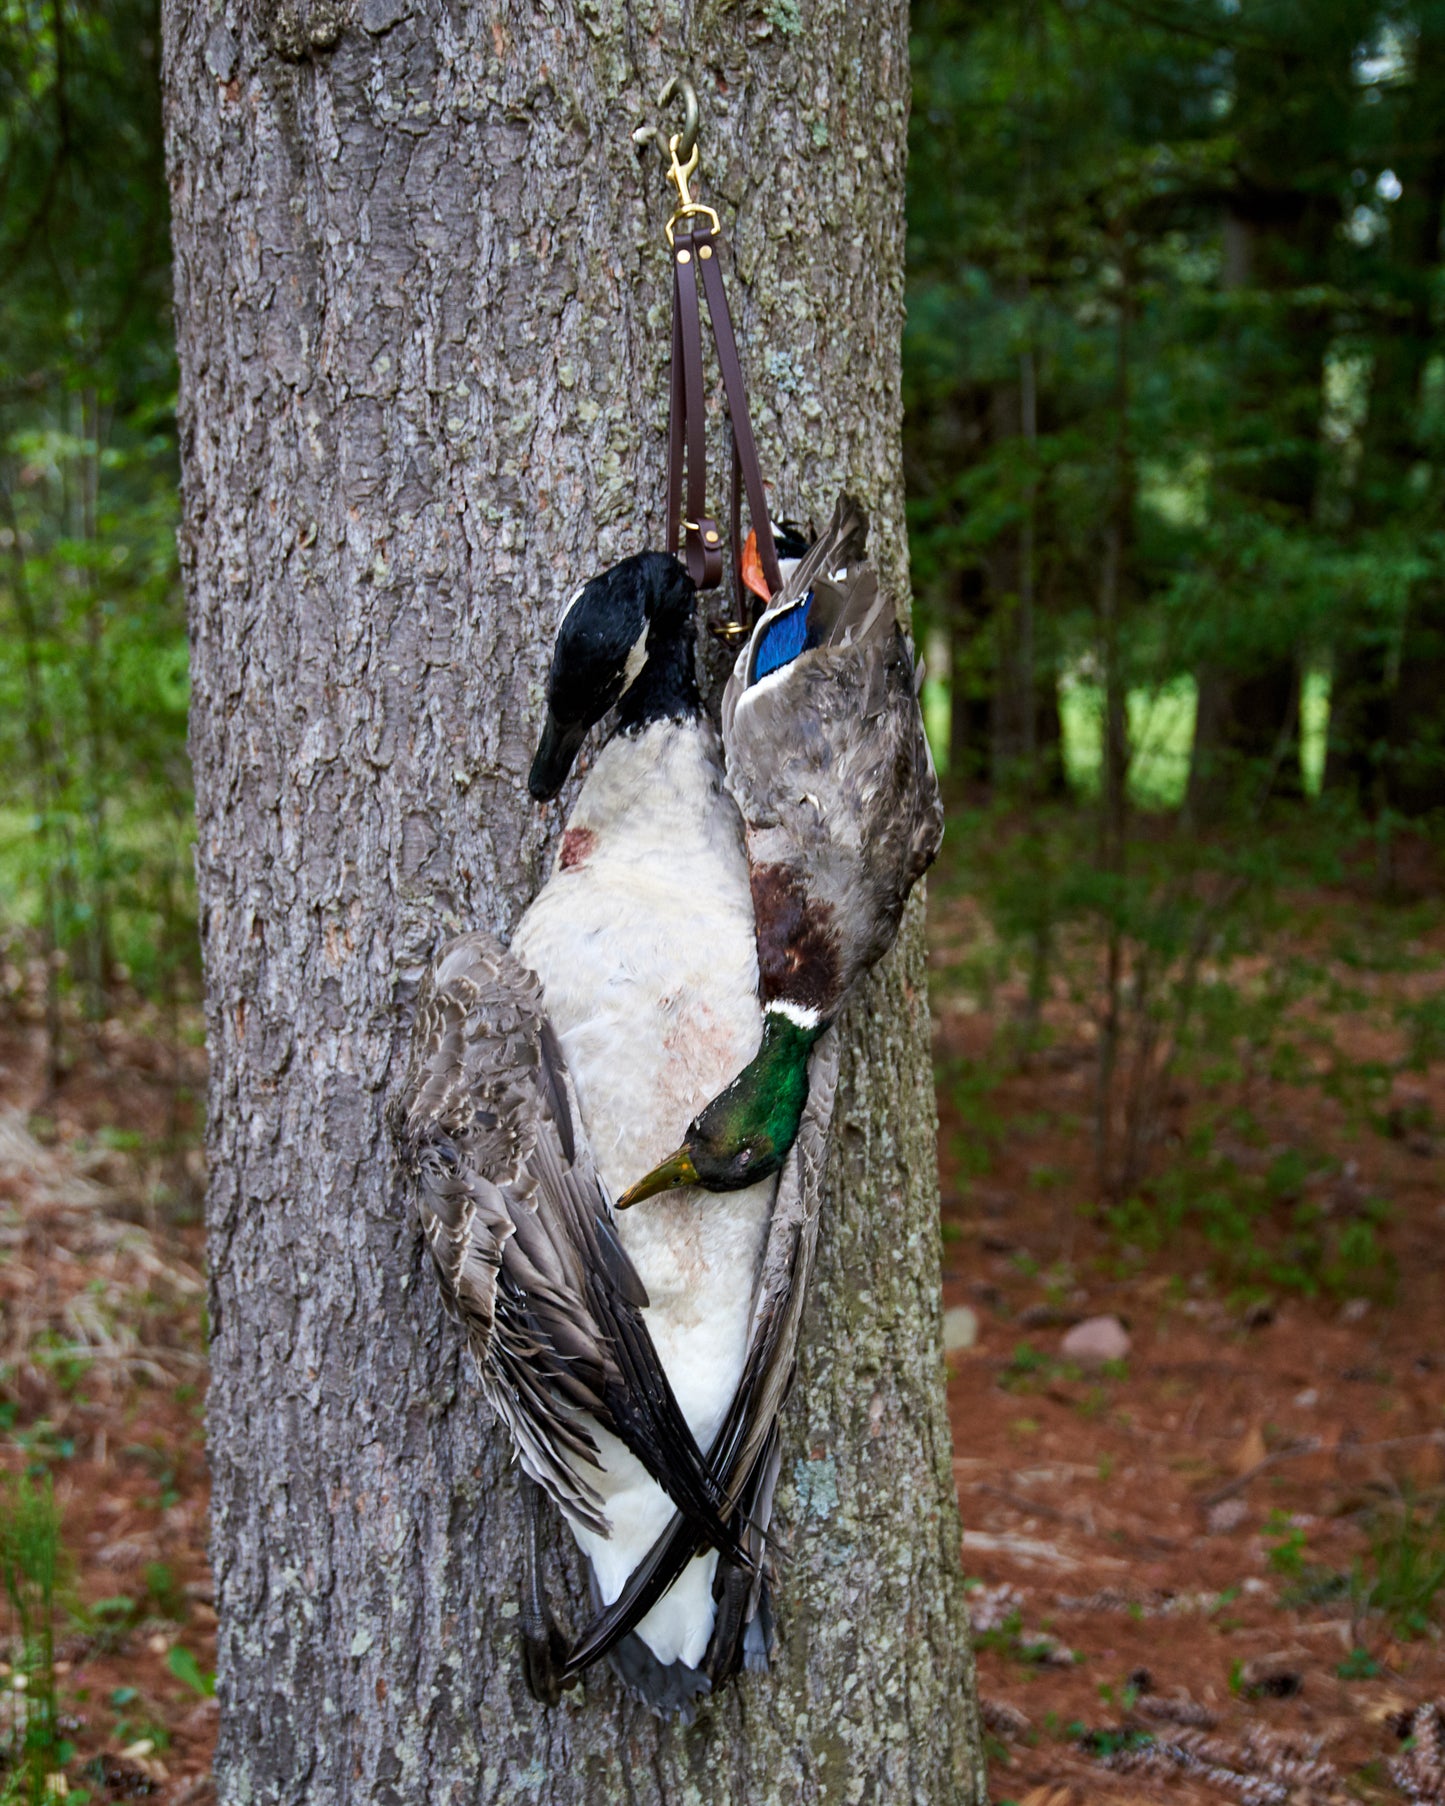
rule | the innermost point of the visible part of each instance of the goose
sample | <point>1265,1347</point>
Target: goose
<point>642,945</point>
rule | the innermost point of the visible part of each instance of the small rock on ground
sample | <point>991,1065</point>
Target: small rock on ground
<point>960,1328</point>
<point>1095,1341</point>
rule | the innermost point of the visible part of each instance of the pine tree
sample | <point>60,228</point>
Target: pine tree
<point>422,312</point>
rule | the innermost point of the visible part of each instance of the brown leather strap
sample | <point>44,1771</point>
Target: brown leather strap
<point>745,448</point>
<point>702,543</point>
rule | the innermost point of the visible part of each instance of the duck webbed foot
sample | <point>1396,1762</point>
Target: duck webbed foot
<point>544,1648</point>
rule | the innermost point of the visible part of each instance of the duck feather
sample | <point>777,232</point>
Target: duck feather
<point>526,1253</point>
<point>831,769</point>
<point>746,1441</point>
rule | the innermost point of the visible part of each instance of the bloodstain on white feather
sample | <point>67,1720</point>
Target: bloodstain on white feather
<point>577,844</point>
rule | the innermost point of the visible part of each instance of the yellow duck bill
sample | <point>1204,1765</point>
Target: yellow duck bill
<point>677,1169</point>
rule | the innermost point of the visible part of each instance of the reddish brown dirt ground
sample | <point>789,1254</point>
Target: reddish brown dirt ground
<point>1170,1539</point>
<point>1162,1549</point>
<point>102,1388</point>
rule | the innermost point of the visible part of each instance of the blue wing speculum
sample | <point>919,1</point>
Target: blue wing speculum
<point>783,639</point>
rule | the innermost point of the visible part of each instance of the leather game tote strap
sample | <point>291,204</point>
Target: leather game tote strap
<point>695,237</point>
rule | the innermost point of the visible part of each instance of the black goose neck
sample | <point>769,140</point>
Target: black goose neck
<point>666,689</point>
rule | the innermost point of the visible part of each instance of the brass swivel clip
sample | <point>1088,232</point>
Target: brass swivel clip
<point>683,156</point>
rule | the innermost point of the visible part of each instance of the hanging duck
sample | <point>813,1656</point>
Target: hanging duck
<point>529,1263</point>
<point>829,764</point>
<point>643,941</point>
<point>828,761</point>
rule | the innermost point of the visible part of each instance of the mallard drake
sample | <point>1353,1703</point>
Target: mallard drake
<point>643,942</point>
<point>829,763</point>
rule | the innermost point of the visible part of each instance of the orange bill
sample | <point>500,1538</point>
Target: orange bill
<point>753,576</point>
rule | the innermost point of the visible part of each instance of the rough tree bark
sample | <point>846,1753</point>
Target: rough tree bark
<point>422,306</point>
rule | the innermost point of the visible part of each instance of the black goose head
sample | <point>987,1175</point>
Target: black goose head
<point>626,637</point>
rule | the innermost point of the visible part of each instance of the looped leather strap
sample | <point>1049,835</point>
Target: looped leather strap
<point>696,247</point>
<point>703,542</point>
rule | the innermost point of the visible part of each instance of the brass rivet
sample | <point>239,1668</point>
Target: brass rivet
<point>706,251</point>
<point>684,257</point>
<point>711,538</point>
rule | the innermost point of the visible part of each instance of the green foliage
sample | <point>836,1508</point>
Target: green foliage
<point>1287,1546</point>
<point>1218,985</point>
<point>94,834</point>
<point>1264,1230</point>
<point>108,1623</point>
<point>1009,1639</point>
<point>32,1571</point>
<point>164,1592</point>
<point>1175,402</point>
<point>1425,1022</point>
<point>1404,1575</point>
<point>184,1666</point>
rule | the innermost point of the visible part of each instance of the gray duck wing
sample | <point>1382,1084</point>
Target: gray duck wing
<point>521,1234</point>
<point>830,766</point>
<point>746,1438</point>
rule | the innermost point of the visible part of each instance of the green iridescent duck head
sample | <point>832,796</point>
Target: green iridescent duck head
<point>744,1134</point>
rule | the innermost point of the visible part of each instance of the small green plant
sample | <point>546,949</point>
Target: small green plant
<point>1425,1023</point>
<point>108,1622</point>
<point>1264,1230</point>
<point>1111,1740</point>
<point>1123,1698</point>
<point>967,1088</point>
<point>1358,1665</point>
<point>1405,1573</point>
<point>43,1443</point>
<point>1008,1639</point>
<point>1287,1553</point>
<point>31,1572</point>
<point>1027,1369</point>
<point>184,1666</point>
<point>67,1364</point>
<point>164,1593</point>
<point>160,1464</point>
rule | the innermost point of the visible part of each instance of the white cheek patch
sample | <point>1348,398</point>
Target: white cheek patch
<point>636,659</point>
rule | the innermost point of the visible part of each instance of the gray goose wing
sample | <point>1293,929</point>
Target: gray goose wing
<point>520,1231</point>
<point>746,1438</point>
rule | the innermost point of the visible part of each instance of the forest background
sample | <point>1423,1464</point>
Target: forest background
<point>1174,428</point>
<point>1174,441</point>
<point>1175,405</point>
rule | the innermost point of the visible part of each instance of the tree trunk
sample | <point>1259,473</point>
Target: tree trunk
<point>1385,740</point>
<point>1009,566</point>
<point>1246,737</point>
<point>1278,230</point>
<point>970,723</point>
<point>422,306</point>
